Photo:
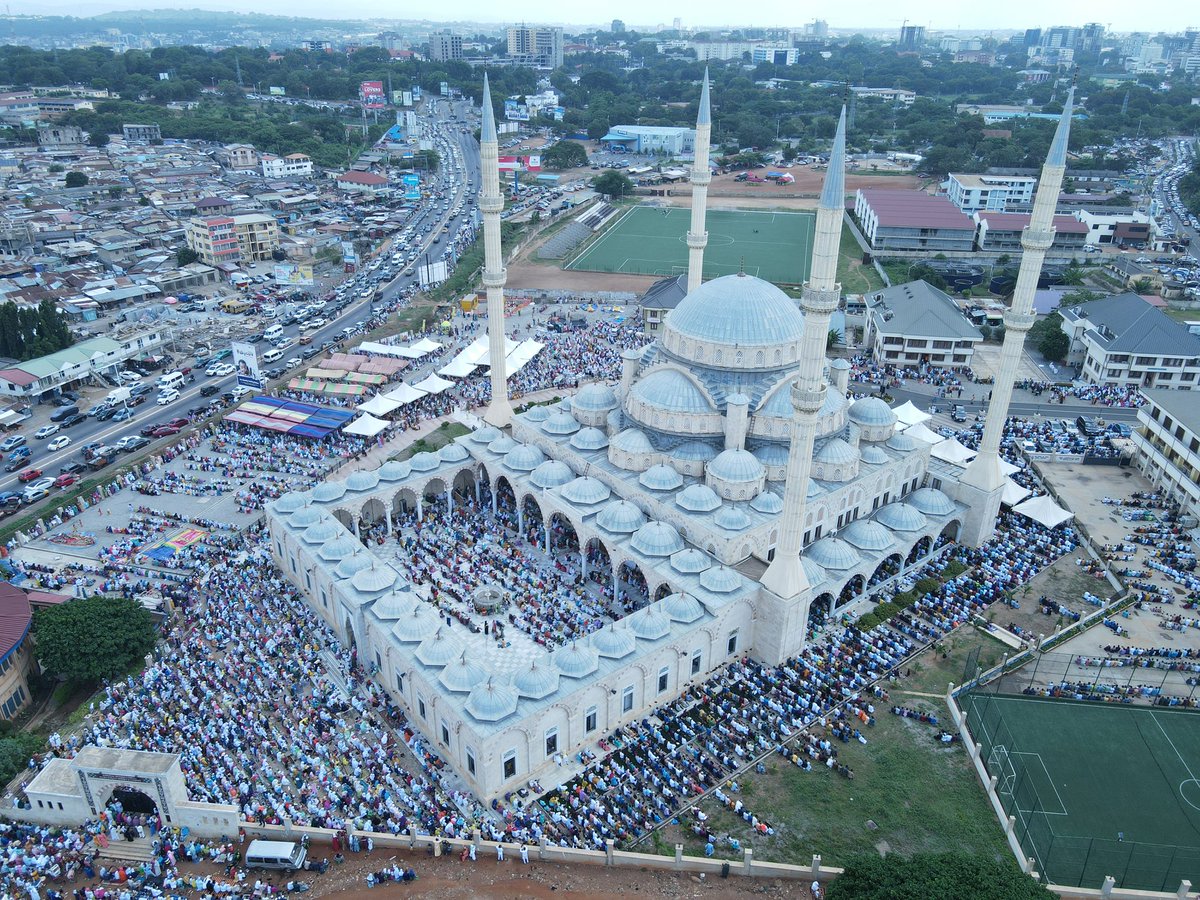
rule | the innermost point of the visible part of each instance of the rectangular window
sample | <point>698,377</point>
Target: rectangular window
<point>324,599</point>
<point>470,760</point>
<point>664,677</point>
<point>308,580</point>
<point>445,733</point>
<point>421,706</point>
<point>731,644</point>
<point>696,657</point>
<point>510,764</point>
<point>551,742</point>
<point>627,699</point>
<point>400,682</point>
<point>589,720</point>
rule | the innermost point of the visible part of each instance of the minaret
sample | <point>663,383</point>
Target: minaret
<point>499,411</point>
<point>697,237</point>
<point>983,481</point>
<point>785,577</point>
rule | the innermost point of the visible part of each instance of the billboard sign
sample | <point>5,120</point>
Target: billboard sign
<point>277,91</point>
<point>412,195</point>
<point>245,360</point>
<point>445,88</point>
<point>410,180</point>
<point>515,111</point>
<point>533,163</point>
<point>416,92</point>
<point>348,254</point>
<point>293,274</point>
<point>408,98</point>
<point>432,273</point>
<point>509,163</point>
<point>371,94</point>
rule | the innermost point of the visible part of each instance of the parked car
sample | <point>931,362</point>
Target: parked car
<point>30,475</point>
<point>165,431</point>
<point>65,480</point>
<point>35,493</point>
<point>13,464</point>
<point>123,415</point>
<point>12,442</point>
<point>72,468</point>
<point>73,420</point>
<point>46,430</point>
<point>58,443</point>
<point>208,390</point>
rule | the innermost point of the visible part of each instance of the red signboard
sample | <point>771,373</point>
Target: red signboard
<point>371,94</point>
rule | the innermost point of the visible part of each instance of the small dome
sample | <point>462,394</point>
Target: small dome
<point>867,535</point>
<point>502,445</point>
<point>731,519</point>
<point>325,530</point>
<point>657,539</point>
<point>873,454</point>
<point>814,490</point>
<point>424,462</point>
<point>901,517</point>
<point>536,682</point>
<point>462,675</point>
<point>650,624</point>
<point>552,473</point>
<point>305,516</point>
<point>395,605</point>
<point>839,364</point>
<point>596,397</point>
<point>767,503</point>
<point>660,478</point>
<point>871,411</point>
<point>484,435</point>
<point>440,649</point>
<point>901,442</point>
<point>738,310</point>
<point>453,452</point>
<point>698,498</point>
<point>289,503</point>
<point>720,580</point>
<point>492,702</point>
<point>614,642</point>
<point>589,439</point>
<point>682,608</point>
<point>352,565</point>
<point>694,451</point>
<point>672,391</point>
<point>421,624</point>
<point>735,466</point>
<point>621,517</point>
<point>524,458</point>
<point>374,579</point>
<point>586,491</point>
<point>690,561</point>
<point>833,553</point>
<point>814,572</point>
<point>771,454</point>
<point>930,501</point>
<point>632,440</point>
<point>836,452</point>
<point>362,481</point>
<point>339,548</point>
<point>560,422</point>
<point>394,470</point>
<point>537,414</point>
<point>328,491</point>
<point>576,660</point>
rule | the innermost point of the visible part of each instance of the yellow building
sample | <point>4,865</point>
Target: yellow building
<point>233,239</point>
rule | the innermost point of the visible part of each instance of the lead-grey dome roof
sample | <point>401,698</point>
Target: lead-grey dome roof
<point>373,579</point>
<point>671,390</point>
<point>351,565</point>
<point>395,605</point>
<point>871,411</point>
<point>362,481</point>
<point>901,517</point>
<point>537,414</point>
<point>866,534</point>
<point>339,548</point>
<point>596,396</point>
<point>633,440</point>
<point>484,435</point>
<point>738,310</point>
<point>833,553</point>
<point>586,491</point>
<point>325,530</point>
<point>650,624</point>
<point>873,454</point>
<point>621,517</point>
<point>768,503</point>
<point>328,491</point>
<point>576,660</point>
<point>425,462</point>
<point>836,452</point>
<point>395,470</point>
<point>682,608</point>
<point>462,675</point>
<point>735,466</point>
<point>552,473</point>
<point>657,539</point>
<point>440,649</point>
<point>289,503</point>
<point>902,442</point>
<point>660,477</point>
<point>524,458</point>
<point>453,452</point>
<point>560,422</point>
<point>502,445</point>
<point>814,572</point>
<point>492,701</point>
<point>930,501</point>
<point>422,623</point>
<point>614,641</point>
<point>305,516</point>
<point>731,519</point>
<point>690,561</point>
<point>698,498</point>
<point>720,580</point>
<point>536,682</point>
<point>589,439</point>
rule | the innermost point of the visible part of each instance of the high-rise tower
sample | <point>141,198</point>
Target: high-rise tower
<point>697,236</point>
<point>499,411</point>
<point>983,481</point>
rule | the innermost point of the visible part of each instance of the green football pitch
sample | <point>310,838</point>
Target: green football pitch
<point>1096,789</point>
<point>647,240</point>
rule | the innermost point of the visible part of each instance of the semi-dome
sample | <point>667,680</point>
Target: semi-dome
<point>871,411</point>
<point>502,445</point>
<point>305,516</point>
<point>425,462</point>
<point>621,517</point>
<point>596,397</point>
<point>536,682</point>
<point>682,608</point>
<point>289,503</point>
<point>690,561</point>
<point>362,481</point>
<point>720,580</point>
<point>328,491</point>
<point>833,553</point>
<point>589,439</point>
<point>552,473</point>
<point>901,442</point>
<point>492,702</point>
<point>339,548</point>
<point>395,605</point>
<point>672,391</point>
<point>930,501</point>
<point>836,452</point>
<point>873,454</point>
<point>731,519</point>
<point>586,491</point>
<point>537,414</point>
<point>632,440</point>
<point>866,534</point>
<point>657,539</point>
<point>394,470</point>
<point>352,565</point>
<point>453,452</point>
<point>694,451</point>
<point>524,458</point>
<point>814,572</point>
<point>462,675</point>
<point>771,454</point>
<point>614,641</point>
<point>650,624</point>
<point>560,422</point>
<point>698,498</point>
<point>901,517</point>
<point>737,310</point>
<point>325,530</point>
<point>767,503</point>
<point>576,660</point>
<point>441,649</point>
<point>660,477</point>
<point>374,579</point>
<point>422,623</point>
<point>484,435</point>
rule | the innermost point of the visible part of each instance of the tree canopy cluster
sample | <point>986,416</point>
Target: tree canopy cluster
<point>947,876</point>
<point>28,332</point>
<point>92,638</point>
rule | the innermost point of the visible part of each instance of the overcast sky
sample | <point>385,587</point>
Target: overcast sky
<point>935,14</point>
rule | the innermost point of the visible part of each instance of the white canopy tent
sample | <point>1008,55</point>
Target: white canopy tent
<point>374,347</point>
<point>466,361</point>
<point>921,433</point>
<point>509,346</point>
<point>366,425</point>
<point>908,414</point>
<point>1013,493</point>
<point>379,405</point>
<point>1008,468</point>
<point>520,356</point>
<point>953,452</point>
<point>1044,511</point>
<point>433,385</point>
<point>404,394</point>
<point>425,345</point>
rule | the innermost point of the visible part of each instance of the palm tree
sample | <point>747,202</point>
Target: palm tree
<point>833,339</point>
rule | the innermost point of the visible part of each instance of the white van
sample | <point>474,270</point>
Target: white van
<point>273,332</point>
<point>287,855</point>
<point>170,381</point>
<point>272,355</point>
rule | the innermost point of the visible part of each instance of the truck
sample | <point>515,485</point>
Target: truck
<point>118,396</point>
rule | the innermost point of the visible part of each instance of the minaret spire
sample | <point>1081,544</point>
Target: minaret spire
<point>499,411</point>
<point>697,236</point>
<point>785,576</point>
<point>983,476</point>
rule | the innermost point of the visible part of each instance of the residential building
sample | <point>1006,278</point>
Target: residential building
<point>652,139</point>
<point>897,220</point>
<point>239,157</point>
<point>34,378</point>
<point>16,650</point>
<point>544,44</point>
<point>1128,228</point>
<point>363,183</point>
<point>445,46</point>
<point>911,37</point>
<point>233,239</point>
<point>317,46</point>
<point>917,325</point>
<point>1167,441</point>
<point>891,95</point>
<point>1123,340</point>
<point>777,56</point>
<point>1001,233</point>
<point>60,137</point>
<point>294,165</point>
<point>662,297</point>
<point>146,134</point>
<point>1002,193</point>
<point>54,107</point>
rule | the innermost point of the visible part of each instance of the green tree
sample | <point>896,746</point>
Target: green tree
<point>565,155</point>
<point>613,184</point>
<point>92,638</point>
<point>833,339</point>
<point>1074,298</point>
<point>947,876</point>
<point>1054,345</point>
<point>185,255</point>
<point>75,179</point>
<point>15,751</point>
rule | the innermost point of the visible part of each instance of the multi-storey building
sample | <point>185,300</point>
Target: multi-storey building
<point>909,221</point>
<point>915,324</point>
<point>294,165</point>
<point>1167,440</point>
<point>999,193</point>
<point>542,43</point>
<point>445,46</point>
<point>233,239</point>
<point>146,134</point>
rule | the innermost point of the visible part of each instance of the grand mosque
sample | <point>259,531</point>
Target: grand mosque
<point>727,470</point>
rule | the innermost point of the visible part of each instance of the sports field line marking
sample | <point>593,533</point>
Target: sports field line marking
<point>1049,780</point>
<point>1182,761</point>
<point>604,237</point>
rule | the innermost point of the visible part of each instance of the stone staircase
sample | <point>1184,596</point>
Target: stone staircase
<point>136,851</point>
